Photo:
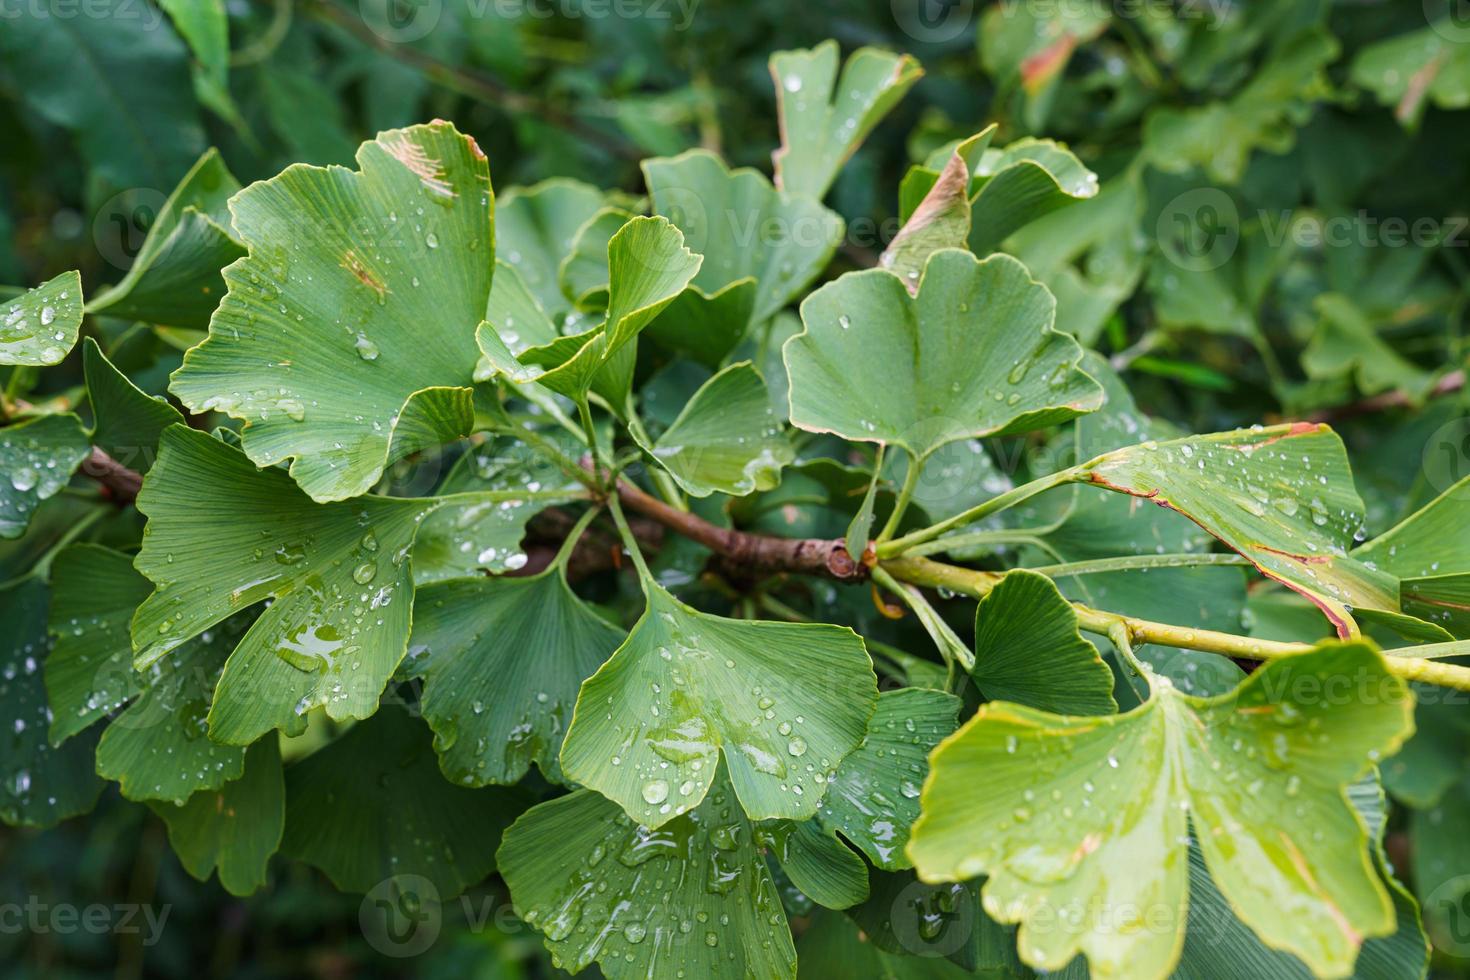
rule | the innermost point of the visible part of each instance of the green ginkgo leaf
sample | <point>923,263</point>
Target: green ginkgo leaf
<point>157,748</point>
<point>1282,496</point>
<point>783,704</point>
<point>235,828</point>
<point>727,439</point>
<point>584,272</point>
<point>941,218</point>
<point>1429,552</point>
<point>37,458</point>
<point>126,422</point>
<point>502,661</point>
<point>40,784</point>
<point>1090,819</point>
<point>693,895</point>
<point>484,533</point>
<point>373,805</point>
<point>223,536</point>
<point>354,309</point>
<point>972,354</point>
<point>1028,650</point>
<point>745,229</point>
<point>823,117</point>
<point>39,326</point>
<point>821,867</point>
<point>1006,188</point>
<point>648,266</point>
<point>874,798</point>
<point>536,228</point>
<point>175,277</point>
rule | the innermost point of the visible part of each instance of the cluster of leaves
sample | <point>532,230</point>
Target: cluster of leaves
<point>362,592</point>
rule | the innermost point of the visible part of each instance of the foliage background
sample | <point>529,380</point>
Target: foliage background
<point>1302,112</point>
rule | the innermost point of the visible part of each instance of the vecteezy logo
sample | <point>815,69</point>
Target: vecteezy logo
<point>1450,19</point>
<point>933,21</point>
<point>1200,229</point>
<point>121,224</point>
<point>1447,457</point>
<point>932,921</point>
<point>401,21</point>
<point>1447,916</point>
<point>401,916</point>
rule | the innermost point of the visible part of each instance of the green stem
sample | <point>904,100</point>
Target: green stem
<point>995,504</point>
<point>905,494</point>
<point>1124,563</point>
<point>951,647</point>
<point>1432,651</point>
<point>568,465</point>
<point>662,481</point>
<point>630,543</point>
<point>564,553</point>
<point>1123,643</point>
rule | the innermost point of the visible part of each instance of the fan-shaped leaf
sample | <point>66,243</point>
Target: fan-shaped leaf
<point>823,117</point>
<point>222,536</point>
<point>1028,650</point>
<point>1089,818</point>
<point>692,895</point>
<point>874,798</point>
<point>373,805</point>
<point>356,304</point>
<point>37,458</point>
<point>126,422</point>
<point>972,354</point>
<point>502,661</point>
<point>39,326</point>
<point>39,784</point>
<point>821,867</point>
<point>536,227</point>
<point>744,228</point>
<point>727,439</point>
<point>783,703</point>
<point>1282,496</point>
<point>235,828</point>
<point>175,277</point>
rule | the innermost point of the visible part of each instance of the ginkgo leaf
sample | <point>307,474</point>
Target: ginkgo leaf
<point>939,924</point>
<point>744,227</point>
<point>39,326</point>
<point>39,784</point>
<point>484,533</point>
<point>157,748</point>
<point>37,458</point>
<point>823,868</point>
<point>692,895</point>
<point>823,118</point>
<point>354,309</point>
<point>584,272</point>
<point>972,354</point>
<point>1345,344</point>
<point>373,805</point>
<point>1282,496</point>
<point>783,703</point>
<point>536,227</point>
<point>648,266</point>
<point>502,661</point>
<point>175,277</point>
<point>1428,553</point>
<point>1007,188</point>
<point>874,798</point>
<point>126,421</point>
<point>223,536</point>
<point>727,439</point>
<point>235,828</point>
<point>1028,650</point>
<point>941,219</point>
<point>1089,818</point>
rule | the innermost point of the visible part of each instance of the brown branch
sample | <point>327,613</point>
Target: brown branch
<point>1448,384</point>
<point>121,483</point>
<point>746,552</point>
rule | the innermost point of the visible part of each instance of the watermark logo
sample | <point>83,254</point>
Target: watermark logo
<point>401,916</point>
<point>1447,916</point>
<point>121,224</point>
<point>933,21</point>
<point>1200,229</point>
<point>64,919</point>
<point>401,21</point>
<point>1447,458</point>
<point>1450,19</point>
